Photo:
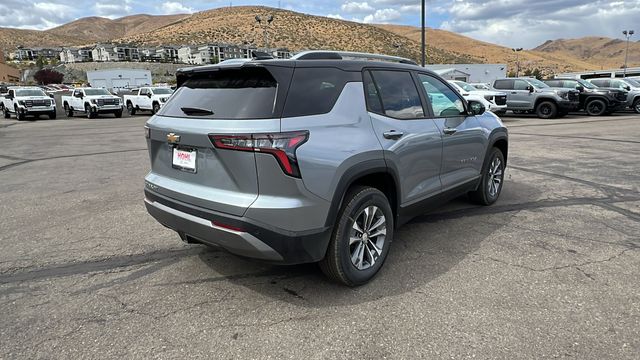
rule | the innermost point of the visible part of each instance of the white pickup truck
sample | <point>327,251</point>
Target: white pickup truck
<point>27,101</point>
<point>147,98</point>
<point>92,102</point>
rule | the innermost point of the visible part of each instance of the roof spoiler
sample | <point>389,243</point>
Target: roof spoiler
<point>348,55</point>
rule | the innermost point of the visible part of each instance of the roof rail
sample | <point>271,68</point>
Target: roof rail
<point>344,55</point>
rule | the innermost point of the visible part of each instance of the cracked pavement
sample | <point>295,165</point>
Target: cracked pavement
<point>550,271</point>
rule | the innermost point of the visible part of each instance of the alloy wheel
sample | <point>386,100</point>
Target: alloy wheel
<point>367,237</point>
<point>495,177</point>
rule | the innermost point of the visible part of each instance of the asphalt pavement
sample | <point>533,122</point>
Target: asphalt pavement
<point>550,271</point>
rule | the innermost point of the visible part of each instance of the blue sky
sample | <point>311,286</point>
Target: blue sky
<point>514,23</point>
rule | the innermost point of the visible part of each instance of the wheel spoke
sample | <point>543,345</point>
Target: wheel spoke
<point>361,256</point>
<point>375,247</point>
<point>380,221</point>
<point>353,240</point>
<point>357,227</point>
<point>372,260</point>
<point>378,233</point>
<point>371,212</point>
<point>355,256</point>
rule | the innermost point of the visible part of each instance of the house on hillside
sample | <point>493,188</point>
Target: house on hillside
<point>31,54</point>
<point>76,55</point>
<point>120,52</point>
<point>166,54</point>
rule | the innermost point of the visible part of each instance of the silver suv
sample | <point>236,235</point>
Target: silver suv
<point>316,159</point>
<point>529,95</point>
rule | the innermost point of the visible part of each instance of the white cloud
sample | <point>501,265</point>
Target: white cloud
<point>173,7</point>
<point>356,7</point>
<point>525,23</point>
<point>382,16</point>
<point>335,16</point>
<point>113,9</point>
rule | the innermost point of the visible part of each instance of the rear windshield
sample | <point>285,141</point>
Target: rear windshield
<point>162,91</point>
<point>246,93</point>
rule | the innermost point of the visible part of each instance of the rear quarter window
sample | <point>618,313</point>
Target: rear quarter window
<point>314,91</point>
<point>503,84</point>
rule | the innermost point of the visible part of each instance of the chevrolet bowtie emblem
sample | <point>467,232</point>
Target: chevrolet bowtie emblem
<point>173,138</point>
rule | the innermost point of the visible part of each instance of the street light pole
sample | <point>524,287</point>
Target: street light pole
<point>424,52</point>
<point>628,34</point>
<point>517,51</point>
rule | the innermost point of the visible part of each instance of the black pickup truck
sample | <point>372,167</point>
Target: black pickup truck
<point>594,100</point>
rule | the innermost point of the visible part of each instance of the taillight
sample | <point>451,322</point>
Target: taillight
<point>281,145</point>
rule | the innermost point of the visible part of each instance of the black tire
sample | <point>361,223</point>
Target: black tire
<point>485,195</point>
<point>19,115</point>
<point>7,114</point>
<point>90,114</point>
<point>130,109</point>
<point>52,115</point>
<point>155,108</point>
<point>636,106</point>
<point>338,264</point>
<point>118,114</point>
<point>596,107</point>
<point>547,110</point>
<point>68,110</point>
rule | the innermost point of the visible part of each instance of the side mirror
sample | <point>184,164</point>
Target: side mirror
<point>149,95</point>
<point>51,96</point>
<point>628,88</point>
<point>530,88</point>
<point>580,88</point>
<point>476,108</point>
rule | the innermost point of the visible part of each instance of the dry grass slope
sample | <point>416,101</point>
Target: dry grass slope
<point>292,30</point>
<point>603,51</point>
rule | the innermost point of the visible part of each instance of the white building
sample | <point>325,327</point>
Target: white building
<point>475,73</point>
<point>76,55</point>
<point>116,79</point>
<point>612,73</point>
<point>187,54</point>
<point>115,53</point>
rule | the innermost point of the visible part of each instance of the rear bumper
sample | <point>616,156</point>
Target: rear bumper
<point>238,235</point>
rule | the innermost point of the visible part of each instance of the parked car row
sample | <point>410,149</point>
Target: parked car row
<point>557,97</point>
<point>33,101</point>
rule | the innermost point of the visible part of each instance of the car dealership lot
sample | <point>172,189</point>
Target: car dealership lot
<point>551,270</point>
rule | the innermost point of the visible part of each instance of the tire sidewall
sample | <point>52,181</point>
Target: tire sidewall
<point>602,104</point>
<point>551,115</point>
<point>371,197</point>
<point>488,199</point>
<point>636,106</point>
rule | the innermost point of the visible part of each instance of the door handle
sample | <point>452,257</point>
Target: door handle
<point>514,92</point>
<point>449,131</point>
<point>392,134</point>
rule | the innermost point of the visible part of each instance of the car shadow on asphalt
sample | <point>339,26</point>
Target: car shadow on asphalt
<point>423,250</point>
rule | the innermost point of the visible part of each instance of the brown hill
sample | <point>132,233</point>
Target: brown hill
<point>603,51</point>
<point>12,38</point>
<point>290,29</point>
<point>99,29</point>
<point>492,53</point>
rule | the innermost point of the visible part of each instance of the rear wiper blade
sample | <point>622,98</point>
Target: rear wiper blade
<point>196,111</point>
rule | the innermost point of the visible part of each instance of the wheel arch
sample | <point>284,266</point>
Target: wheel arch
<point>374,173</point>
<point>545,98</point>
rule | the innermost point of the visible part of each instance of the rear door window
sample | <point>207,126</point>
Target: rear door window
<point>398,93</point>
<point>520,85</point>
<point>240,93</point>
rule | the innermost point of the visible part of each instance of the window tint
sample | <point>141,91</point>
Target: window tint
<point>601,83</point>
<point>505,84</point>
<point>314,91</point>
<point>371,93</point>
<point>444,101</point>
<point>618,84</point>
<point>400,98</point>
<point>521,85</point>
<point>248,93</point>
<point>144,91</point>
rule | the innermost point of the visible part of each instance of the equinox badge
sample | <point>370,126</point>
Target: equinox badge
<point>173,138</point>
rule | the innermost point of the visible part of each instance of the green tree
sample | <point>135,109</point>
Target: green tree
<point>41,62</point>
<point>511,74</point>
<point>536,73</point>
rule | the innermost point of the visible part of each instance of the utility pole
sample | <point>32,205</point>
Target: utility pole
<point>517,51</point>
<point>269,20</point>
<point>627,34</point>
<point>424,40</point>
